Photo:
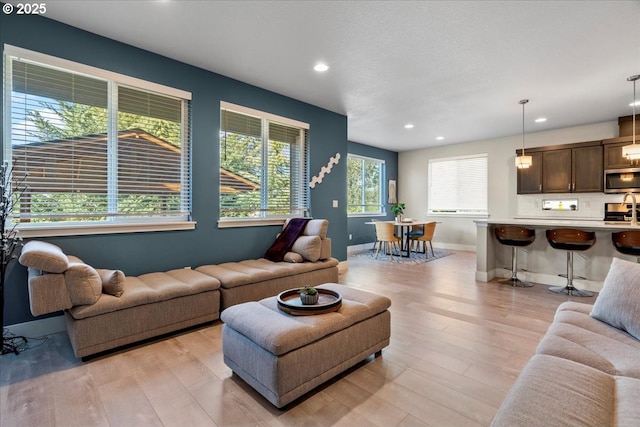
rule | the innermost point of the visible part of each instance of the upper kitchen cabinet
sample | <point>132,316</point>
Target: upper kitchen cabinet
<point>530,179</point>
<point>570,168</point>
<point>613,158</point>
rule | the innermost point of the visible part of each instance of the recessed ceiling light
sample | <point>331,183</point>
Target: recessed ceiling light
<point>408,126</point>
<point>440,138</point>
<point>541,120</point>
<point>321,67</point>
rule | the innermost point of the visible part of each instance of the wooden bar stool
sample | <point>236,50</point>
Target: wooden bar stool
<point>570,240</point>
<point>627,242</point>
<point>514,236</point>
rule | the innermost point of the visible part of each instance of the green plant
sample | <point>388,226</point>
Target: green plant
<point>397,209</point>
<point>308,290</point>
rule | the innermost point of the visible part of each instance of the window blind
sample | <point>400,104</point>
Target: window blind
<point>264,166</point>
<point>458,185</point>
<point>89,149</point>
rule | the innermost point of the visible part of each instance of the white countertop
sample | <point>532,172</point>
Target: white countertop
<point>555,222</point>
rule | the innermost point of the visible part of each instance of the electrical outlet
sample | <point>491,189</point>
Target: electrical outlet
<point>335,203</point>
<point>350,236</point>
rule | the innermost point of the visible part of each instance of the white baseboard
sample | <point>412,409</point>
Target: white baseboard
<point>38,328</point>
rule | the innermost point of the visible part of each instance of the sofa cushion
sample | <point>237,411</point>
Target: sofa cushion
<point>149,288</point>
<point>551,391</point>
<point>83,283</point>
<point>43,256</point>
<point>618,303</point>
<point>308,247</point>
<point>576,336</point>
<point>112,281</point>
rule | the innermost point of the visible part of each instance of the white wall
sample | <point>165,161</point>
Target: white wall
<point>460,233</point>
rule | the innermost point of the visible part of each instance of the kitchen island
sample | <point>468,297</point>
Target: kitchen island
<point>543,263</point>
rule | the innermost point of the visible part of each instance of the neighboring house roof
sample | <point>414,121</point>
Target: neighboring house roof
<point>80,164</point>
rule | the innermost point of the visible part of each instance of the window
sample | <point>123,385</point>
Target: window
<point>90,146</point>
<point>365,185</point>
<point>263,165</point>
<point>458,185</point>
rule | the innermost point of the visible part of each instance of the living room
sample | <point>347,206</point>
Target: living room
<point>206,240</point>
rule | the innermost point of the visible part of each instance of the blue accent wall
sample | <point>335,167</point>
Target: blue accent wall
<point>366,233</point>
<point>138,253</point>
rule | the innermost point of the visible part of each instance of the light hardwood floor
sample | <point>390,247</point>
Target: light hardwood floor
<point>457,346</point>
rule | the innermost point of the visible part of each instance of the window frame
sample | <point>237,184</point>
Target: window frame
<point>459,212</point>
<point>112,224</point>
<point>266,118</point>
<point>382,179</point>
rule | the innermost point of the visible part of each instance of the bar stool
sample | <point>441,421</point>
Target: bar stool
<point>627,242</point>
<point>570,240</point>
<point>514,236</point>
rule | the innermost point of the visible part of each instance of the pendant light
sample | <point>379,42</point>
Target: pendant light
<point>632,152</point>
<point>522,161</point>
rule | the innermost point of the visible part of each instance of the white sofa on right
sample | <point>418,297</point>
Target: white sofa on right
<point>586,371</point>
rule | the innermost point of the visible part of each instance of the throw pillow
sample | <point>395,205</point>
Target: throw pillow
<point>308,246</point>
<point>112,281</point>
<point>618,303</point>
<point>292,257</point>
<point>83,284</point>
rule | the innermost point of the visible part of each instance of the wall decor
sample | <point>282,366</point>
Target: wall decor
<point>393,198</point>
<point>325,170</point>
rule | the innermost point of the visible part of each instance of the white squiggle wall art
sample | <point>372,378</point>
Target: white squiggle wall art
<point>325,170</point>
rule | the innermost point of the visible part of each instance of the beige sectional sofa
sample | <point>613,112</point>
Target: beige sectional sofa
<point>586,371</point>
<point>105,309</point>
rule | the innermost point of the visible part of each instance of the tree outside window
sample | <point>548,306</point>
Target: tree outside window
<point>263,163</point>
<point>88,148</point>
<point>365,185</point>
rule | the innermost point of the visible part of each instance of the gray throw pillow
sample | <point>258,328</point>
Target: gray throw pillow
<point>619,301</point>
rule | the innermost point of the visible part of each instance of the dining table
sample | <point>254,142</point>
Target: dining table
<point>404,227</point>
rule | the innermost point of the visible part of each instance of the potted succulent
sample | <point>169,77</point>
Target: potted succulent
<point>398,210</point>
<point>309,295</point>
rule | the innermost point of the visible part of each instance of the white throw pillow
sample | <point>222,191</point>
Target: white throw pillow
<point>618,303</point>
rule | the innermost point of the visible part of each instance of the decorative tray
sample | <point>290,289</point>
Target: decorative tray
<point>328,301</point>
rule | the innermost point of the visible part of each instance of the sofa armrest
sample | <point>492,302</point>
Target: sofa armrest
<point>47,293</point>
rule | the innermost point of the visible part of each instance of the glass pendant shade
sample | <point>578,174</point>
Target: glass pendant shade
<point>632,152</point>
<point>523,162</point>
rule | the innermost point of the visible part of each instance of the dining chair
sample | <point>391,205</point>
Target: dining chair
<point>385,238</point>
<point>427,236</point>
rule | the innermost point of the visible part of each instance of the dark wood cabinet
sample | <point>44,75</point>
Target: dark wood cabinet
<point>586,169</point>
<point>613,158</point>
<point>569,168</point>
<point>556,171</point>
<point>530,179</point>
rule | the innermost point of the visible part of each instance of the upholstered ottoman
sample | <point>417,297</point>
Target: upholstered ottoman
<point>284,356</point>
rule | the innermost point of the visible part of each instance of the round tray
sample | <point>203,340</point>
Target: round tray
<point>328,301</point>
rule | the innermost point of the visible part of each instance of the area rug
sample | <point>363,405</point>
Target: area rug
<point>413,259</point>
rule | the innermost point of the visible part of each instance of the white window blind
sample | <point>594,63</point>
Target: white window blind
<point>458,185</point>
<point>87,148</point>
<point>365,178</point>
<point>264,165</point>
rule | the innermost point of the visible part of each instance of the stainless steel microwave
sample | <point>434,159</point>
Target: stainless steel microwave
<point>622,180</point>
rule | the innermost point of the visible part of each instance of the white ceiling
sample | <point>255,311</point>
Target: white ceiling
<point>452,68</point>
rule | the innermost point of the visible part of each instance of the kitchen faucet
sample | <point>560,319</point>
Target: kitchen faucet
<point>634,219</point>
